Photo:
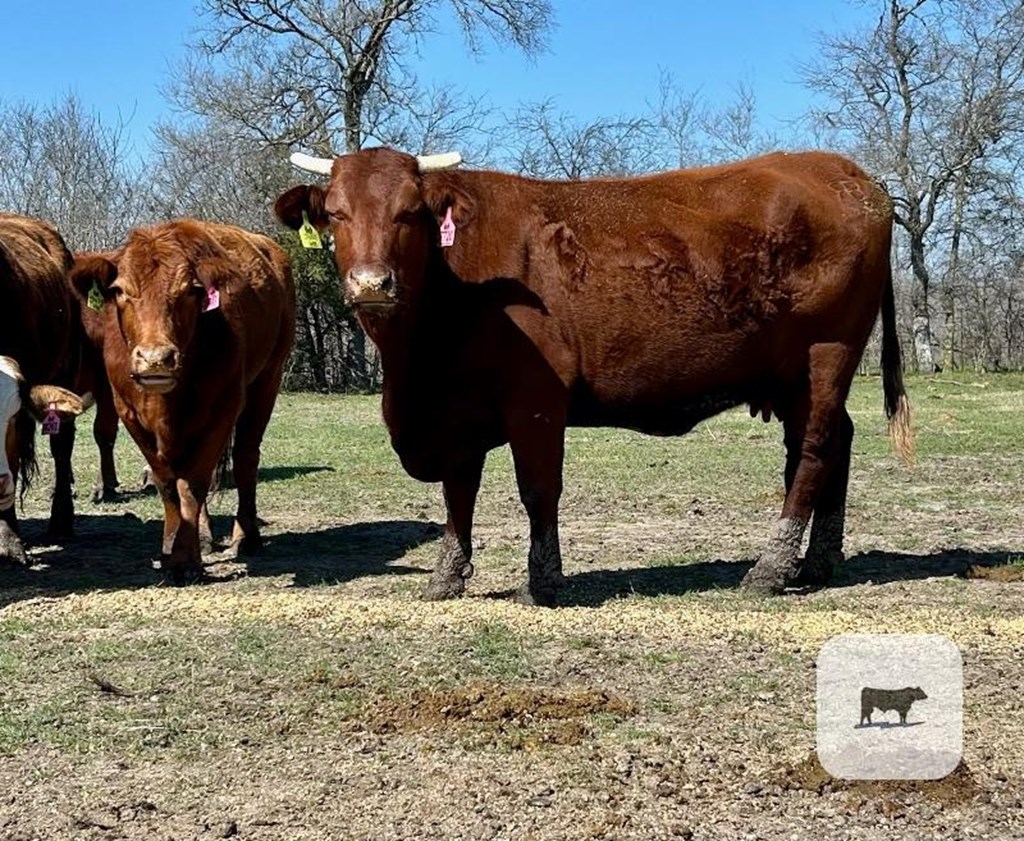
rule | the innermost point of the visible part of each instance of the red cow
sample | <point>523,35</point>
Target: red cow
<point>506,308</point>
<point>199,320</point>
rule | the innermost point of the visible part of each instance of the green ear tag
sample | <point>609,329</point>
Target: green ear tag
<point>308,235</point>
<point>95,298</point>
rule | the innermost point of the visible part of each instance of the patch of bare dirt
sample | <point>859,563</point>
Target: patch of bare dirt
<point>1005,572</point>
<point>955,789</point>
<point>527,715</point>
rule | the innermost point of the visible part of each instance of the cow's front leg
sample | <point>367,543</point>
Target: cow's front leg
<point>538,453</point>
<point>453,562</point>
<point>62,506</point>
<point>186,563</point>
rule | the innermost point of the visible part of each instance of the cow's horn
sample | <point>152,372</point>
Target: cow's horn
<point>321,166</point>
<point>444,161</point>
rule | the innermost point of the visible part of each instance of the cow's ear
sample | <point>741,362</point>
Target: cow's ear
<point>65,403</point>
<point>214,271</point>
<point>92,270</point>
<point>308,199</point>
<point>440,194</point>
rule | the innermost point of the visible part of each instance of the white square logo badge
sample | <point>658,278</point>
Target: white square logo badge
<point>890,706</point>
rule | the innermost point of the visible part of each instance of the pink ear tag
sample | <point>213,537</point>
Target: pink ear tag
<point>447,230</point>
<point>51,421</point>
<point>212,299</point>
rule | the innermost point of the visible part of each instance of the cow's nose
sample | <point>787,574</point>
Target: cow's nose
<point>371,285</point>
<point>165,357</point>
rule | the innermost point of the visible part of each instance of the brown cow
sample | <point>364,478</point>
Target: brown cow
<point>648,303</point>
<point>199,323</point>
<point>41,342</point>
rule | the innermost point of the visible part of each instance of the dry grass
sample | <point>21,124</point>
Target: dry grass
<point>307,693</point>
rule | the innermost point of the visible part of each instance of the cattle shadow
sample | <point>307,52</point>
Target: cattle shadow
<point>342,553</point>
<point>120,552</point>
<point>595,587</point>
<point>885,725</point>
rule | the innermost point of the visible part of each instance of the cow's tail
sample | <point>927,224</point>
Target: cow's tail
<point>897,406</point>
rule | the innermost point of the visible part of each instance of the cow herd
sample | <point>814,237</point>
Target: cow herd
<point>504,309</point>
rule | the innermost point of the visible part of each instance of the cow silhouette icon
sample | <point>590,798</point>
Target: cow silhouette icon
<point>888,699</point>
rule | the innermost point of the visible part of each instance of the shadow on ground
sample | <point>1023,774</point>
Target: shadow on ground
<point>119,552</point>
<point>598,586</point>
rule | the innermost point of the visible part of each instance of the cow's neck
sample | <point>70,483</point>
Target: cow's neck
<point>412,340</point>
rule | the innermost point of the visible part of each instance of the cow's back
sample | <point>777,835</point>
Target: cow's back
<point>669,297</point>
<point>37,310</point>
<point>261,306</point>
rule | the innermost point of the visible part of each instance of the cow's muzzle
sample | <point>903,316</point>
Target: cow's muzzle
<point>370,288</point>
<point>155,368</point>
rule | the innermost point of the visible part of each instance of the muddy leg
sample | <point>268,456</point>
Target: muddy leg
<point>825,549</point>
<point>538,460</point>
<point>62,507</point>
<point>822,405</point>
<point>453,563</point>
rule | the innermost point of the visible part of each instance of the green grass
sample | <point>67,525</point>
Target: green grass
<point>346,523</point>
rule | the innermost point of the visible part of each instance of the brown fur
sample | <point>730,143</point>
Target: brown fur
<point>39,329</point>
<point>228,362</point>
<point>649,303</point>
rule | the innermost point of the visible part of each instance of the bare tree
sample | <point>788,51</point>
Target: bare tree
<point>62,163</point>
<point>549,144</point>
<point>330,75</point>
<point>930,98</point>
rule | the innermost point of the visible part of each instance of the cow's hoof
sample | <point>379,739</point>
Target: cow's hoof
<point>817,569</point>
<point>537,596</point>
<point>441,589</point>
<point>102,494</point>
<point>206,544</point>
<point>765,580</point>
<point>251,544</point>
<point>181,571</point>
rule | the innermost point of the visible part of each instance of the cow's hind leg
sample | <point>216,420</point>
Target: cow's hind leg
<point>245,456</point>
<point>104,432</point>
<point>453,563</point>
<point>817,411</point>
<point>825,548</point>
<point>538,452</point>
<point>62,506</point>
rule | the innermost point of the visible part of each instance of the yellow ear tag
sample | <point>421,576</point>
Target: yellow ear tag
<point>308,235</point>
<point>95,298</point>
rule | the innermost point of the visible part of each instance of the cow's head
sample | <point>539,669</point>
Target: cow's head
<point>917,693</point>
<point>20,406</point>
<point>158,285</point>
<point>383,217</point>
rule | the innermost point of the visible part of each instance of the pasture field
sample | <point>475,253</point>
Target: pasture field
<point>308,694</point>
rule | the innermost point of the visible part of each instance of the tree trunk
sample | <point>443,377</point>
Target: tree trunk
<point>924,335</point>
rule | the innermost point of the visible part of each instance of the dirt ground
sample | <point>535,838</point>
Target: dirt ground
<point>309,694</point>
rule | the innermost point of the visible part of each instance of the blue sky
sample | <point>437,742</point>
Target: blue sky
<point>604,56</point>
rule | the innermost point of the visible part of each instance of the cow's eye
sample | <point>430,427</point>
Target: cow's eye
<point>337,217</point>
<point>406,217</point>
